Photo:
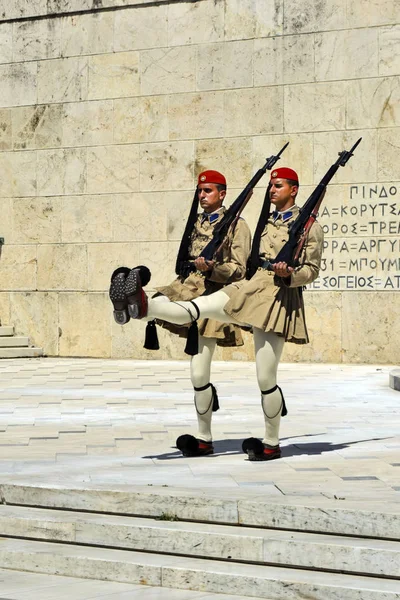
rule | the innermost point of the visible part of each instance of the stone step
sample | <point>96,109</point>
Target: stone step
<point>286,548</point>
<point>14,341</point>
<point>6,330</point>
<point>274,583</point>
<point>326,517</point>
<point>20,585</point>
<point>20,352</point>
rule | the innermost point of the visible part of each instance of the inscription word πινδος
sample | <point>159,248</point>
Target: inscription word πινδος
<point>361,226</point>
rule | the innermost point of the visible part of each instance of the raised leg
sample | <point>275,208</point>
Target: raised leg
<point>180,313</point>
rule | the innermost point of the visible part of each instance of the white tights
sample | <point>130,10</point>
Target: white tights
<point>180,313</point>
<point>200,371</point>
<point>200,368</point>
<point>268,349</point>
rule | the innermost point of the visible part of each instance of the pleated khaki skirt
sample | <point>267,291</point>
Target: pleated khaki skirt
<point>261,302</point>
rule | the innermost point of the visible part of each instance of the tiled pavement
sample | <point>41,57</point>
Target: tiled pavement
<point>88,421</point>
<point>109,423</point>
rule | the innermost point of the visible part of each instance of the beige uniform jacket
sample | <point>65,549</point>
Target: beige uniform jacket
<point>230,267</point>
<point>272,303</point>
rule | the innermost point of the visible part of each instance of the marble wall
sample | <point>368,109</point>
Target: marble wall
<point>108,111</point>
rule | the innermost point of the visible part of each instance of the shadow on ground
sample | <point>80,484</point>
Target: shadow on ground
<point>321,447</point>
<point>234,446</point>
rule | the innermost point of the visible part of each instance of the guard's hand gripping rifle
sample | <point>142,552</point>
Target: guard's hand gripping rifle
<point>230,218</point>
<point>298,232</point>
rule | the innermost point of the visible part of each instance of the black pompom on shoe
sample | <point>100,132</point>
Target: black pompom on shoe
<point>191,446</point>
<point>145,274</point>
<point>256,450</point>
<point>118,296</point>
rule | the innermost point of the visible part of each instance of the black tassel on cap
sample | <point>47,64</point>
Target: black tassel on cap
<point>254,261</point>
<point>183,253</point>
<point>192,342</point>
<point>151,339</point>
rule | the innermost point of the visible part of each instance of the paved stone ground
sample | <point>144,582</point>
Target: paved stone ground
<point>110,423</point>
<point>88,421</point>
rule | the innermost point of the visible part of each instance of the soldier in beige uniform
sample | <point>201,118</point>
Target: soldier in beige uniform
<point>271,302</point>
<point>210,276</point>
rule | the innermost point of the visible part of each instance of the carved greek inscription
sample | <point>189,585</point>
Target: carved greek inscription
<point>361,239</point>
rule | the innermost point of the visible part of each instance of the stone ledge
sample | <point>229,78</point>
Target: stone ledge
<point>190,573</point>
<point>18,11</point>
<point>366,520</point>
<point>20,352</point>
<point>349,555</point>
<point>394,380</point>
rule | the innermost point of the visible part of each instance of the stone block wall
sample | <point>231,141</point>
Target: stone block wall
<point>108,111</point>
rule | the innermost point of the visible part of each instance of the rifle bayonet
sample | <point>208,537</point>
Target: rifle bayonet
<point>274,159</point>
<point>344,156</point>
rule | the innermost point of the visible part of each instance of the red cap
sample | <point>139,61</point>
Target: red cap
<point>211,177</point>
<point>284,173</point>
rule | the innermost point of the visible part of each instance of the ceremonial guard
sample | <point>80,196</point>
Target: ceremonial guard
<point>285,256</point>
<point>271,302</point>
<point>197,277</point>
<point>207,277</point>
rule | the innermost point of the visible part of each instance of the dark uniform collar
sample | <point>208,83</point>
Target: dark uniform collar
<point>212,217</point>
<point>285,215</point>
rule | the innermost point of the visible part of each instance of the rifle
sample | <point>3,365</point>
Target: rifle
<point>229,220</point>
<point>298,232</point>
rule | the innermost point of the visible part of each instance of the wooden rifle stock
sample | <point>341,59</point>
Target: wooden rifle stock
<point>311,220</point>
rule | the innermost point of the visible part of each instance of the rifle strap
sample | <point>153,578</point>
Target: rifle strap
<point>253,262</point>
<point>183,252</point>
